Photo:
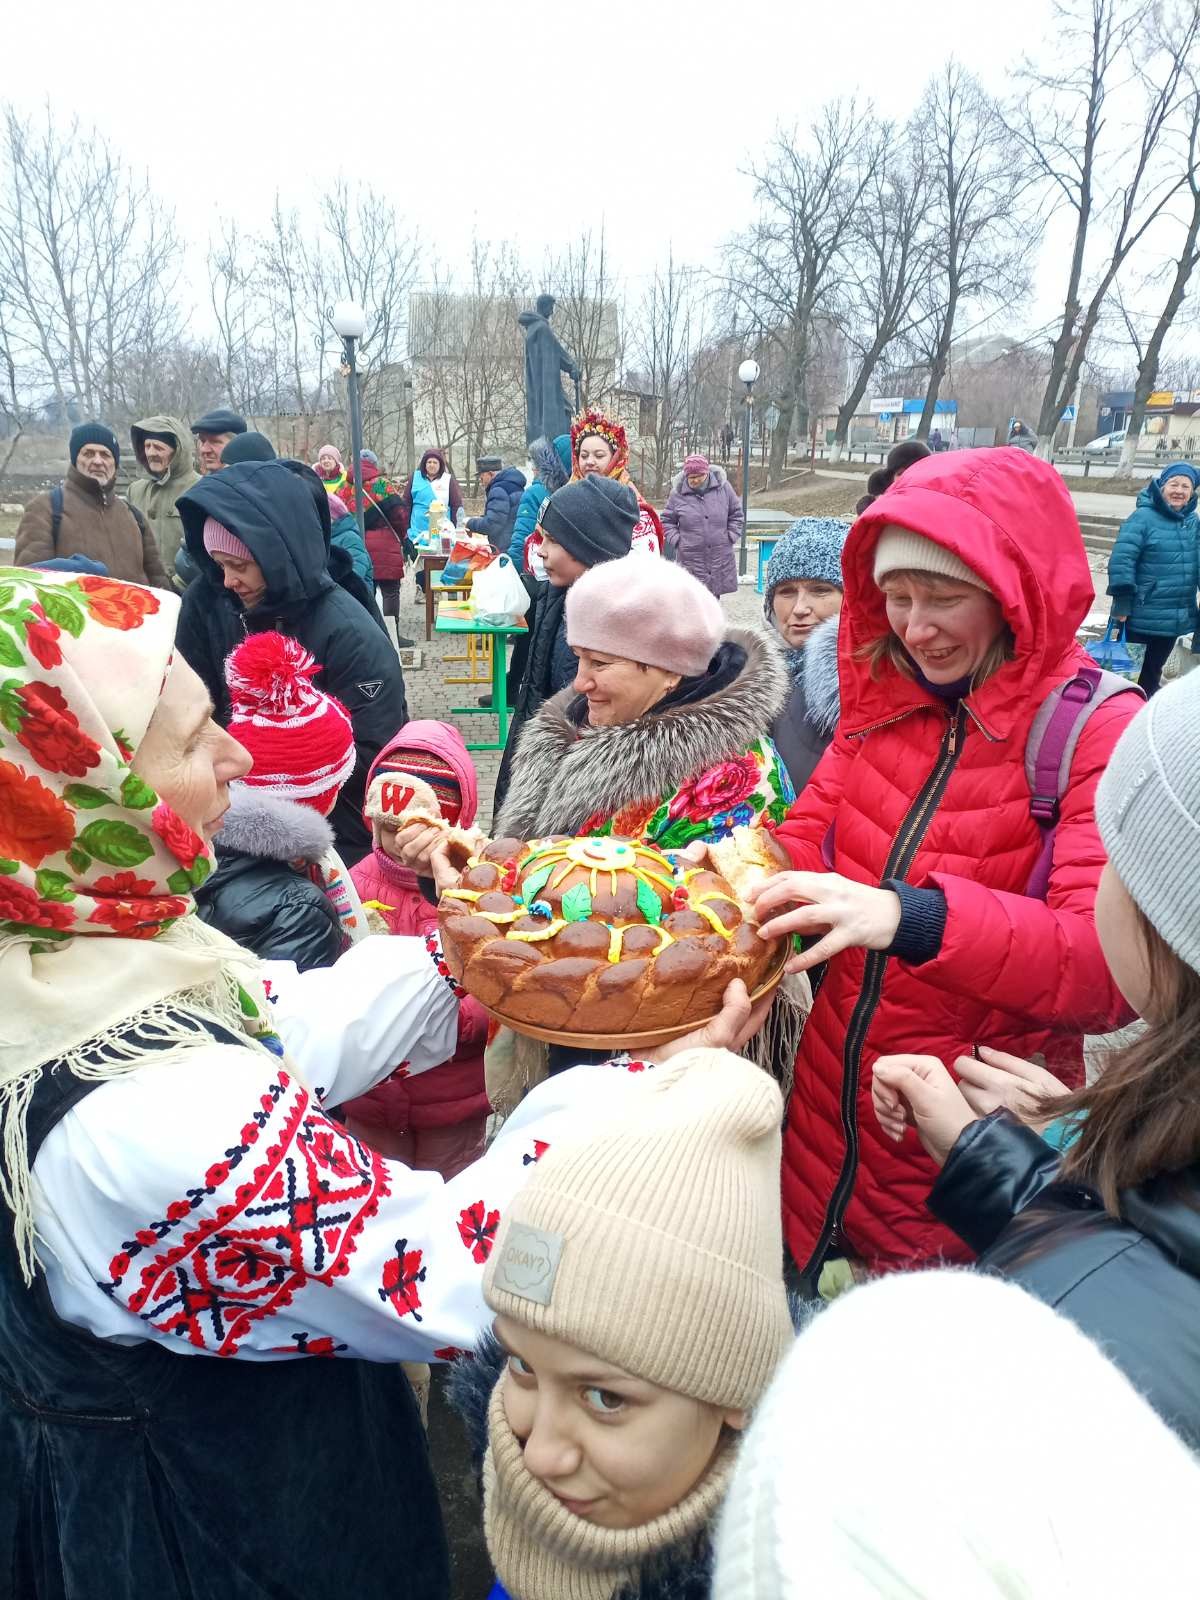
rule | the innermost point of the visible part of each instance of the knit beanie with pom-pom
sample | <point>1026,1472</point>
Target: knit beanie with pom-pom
<point>301,739</point>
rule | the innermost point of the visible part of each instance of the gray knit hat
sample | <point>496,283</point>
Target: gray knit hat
<point>1148,813</point>
<point>812,549</point>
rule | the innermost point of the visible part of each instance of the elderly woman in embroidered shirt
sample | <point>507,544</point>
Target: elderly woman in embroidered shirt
<point>183,1224</point>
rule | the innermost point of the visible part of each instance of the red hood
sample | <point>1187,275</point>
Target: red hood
<point>1010,518</point>
<point>438,739</point>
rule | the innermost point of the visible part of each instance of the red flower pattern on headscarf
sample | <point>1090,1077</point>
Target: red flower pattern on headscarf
<point>50,731</point>
<point>42,637</point>
<point>115,604</point>
<point>183,842</point>
<point>86,846</point>
<point>34,822</point>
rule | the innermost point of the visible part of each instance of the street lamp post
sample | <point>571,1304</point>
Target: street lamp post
<point>747,374</point>
<point>350,323</point>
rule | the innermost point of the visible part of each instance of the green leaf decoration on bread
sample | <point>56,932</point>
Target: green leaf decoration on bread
<point>536,882</point>
<point>577,904</point>
<point>648,903</point>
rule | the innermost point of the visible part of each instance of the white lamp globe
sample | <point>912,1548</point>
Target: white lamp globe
<point>349,320</point>
<point>748,371</point>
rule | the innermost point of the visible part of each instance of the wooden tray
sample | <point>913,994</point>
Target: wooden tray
<point>638,1041</point>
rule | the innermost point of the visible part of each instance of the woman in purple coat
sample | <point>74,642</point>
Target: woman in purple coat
<point>703,522</point>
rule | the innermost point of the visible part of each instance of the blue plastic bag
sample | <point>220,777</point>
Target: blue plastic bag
<point>1114,652</point>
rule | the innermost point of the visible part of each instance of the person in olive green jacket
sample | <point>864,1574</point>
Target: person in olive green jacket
<point>163,447</point>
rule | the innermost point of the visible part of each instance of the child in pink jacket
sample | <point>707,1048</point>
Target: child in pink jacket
<point>437,1120</point>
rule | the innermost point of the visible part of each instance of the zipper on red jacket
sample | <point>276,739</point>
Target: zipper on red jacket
<point>900,858</point>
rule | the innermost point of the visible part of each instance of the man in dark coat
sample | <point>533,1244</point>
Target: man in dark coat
<point>582,525</point>
<point>287,586</point>
<point>503,487</point>
<point>546,411</point>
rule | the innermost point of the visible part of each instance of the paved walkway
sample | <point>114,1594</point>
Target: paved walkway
<point>1087,504</point>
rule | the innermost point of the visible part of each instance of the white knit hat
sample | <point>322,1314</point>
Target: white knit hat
<point>902,550</point>
<point>944,1434</point>
<point>656,1244</point>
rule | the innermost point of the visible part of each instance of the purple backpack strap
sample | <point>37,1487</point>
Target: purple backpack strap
<point>1049,750</point>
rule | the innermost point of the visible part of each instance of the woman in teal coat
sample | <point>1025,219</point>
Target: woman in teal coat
<point>1154,568</point>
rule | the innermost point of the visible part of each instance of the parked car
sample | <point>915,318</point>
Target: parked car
<point>1106,441</point>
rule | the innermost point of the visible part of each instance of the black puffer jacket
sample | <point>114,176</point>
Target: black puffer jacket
<point>257,896</point>
<point>500,508</point>
<point>272,511</point>
<point>549,666</point>
<point>681,1573</point>
<point>1133,1286</point>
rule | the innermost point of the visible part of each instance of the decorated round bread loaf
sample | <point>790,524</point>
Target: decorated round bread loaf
<point>602,936</point>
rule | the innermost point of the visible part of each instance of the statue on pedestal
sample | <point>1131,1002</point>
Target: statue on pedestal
<point>547,413</point>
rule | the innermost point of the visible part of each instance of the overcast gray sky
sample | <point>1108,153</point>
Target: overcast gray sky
<point>524,121</point>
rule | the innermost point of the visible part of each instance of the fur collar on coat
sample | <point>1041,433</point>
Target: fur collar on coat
<point>819,676</point>
<point>261,824</point>
<point>563,774</point>
<point>716,477</point>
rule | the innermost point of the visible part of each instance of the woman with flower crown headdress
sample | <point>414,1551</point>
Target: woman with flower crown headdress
<point>599,444</point>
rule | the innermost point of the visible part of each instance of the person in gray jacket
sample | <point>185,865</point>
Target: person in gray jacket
<point>802,603</point>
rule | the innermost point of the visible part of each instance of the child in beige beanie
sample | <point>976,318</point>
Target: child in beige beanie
<point>640,1313</point>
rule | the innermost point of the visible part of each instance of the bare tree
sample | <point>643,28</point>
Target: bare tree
<point>1150,356</point>
<point>301,344</point>
<point>240,315</point>
<point>1120,187</point>
<point>88,264</point>
<point>587,313</point>
<point>376,264</point>
<point>883,264</point>
<point>974,213</point>
<point>667,333</point>
<point>782,272</point>
<point>467,356</point>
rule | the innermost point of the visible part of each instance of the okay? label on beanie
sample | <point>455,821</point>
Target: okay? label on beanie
<point>528,1263</point>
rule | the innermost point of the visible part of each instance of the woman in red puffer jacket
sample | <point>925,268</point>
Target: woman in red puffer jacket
<point>436,1121</point>
<point>965,583</point>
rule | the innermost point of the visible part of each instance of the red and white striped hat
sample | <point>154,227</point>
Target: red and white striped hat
<point>301,738</point>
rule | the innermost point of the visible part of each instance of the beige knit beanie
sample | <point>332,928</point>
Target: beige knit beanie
<point>656,1244</point>
<point>902,550</point>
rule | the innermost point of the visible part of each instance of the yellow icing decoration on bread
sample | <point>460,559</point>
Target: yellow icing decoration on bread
<point>536,935</point>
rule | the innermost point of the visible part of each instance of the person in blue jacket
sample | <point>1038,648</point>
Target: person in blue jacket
<point>552,468</point>
<point>1154,569</point>
<point>343,532</point>
<point>503,487</point>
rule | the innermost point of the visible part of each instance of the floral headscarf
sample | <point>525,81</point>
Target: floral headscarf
<point>86,847</point>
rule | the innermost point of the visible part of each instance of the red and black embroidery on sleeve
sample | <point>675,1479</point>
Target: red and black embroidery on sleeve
<point>297,1216</point>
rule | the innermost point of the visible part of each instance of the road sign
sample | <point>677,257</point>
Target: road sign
<point>771,417</point>
<point>885,416</point>
<point>1068,414</point>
